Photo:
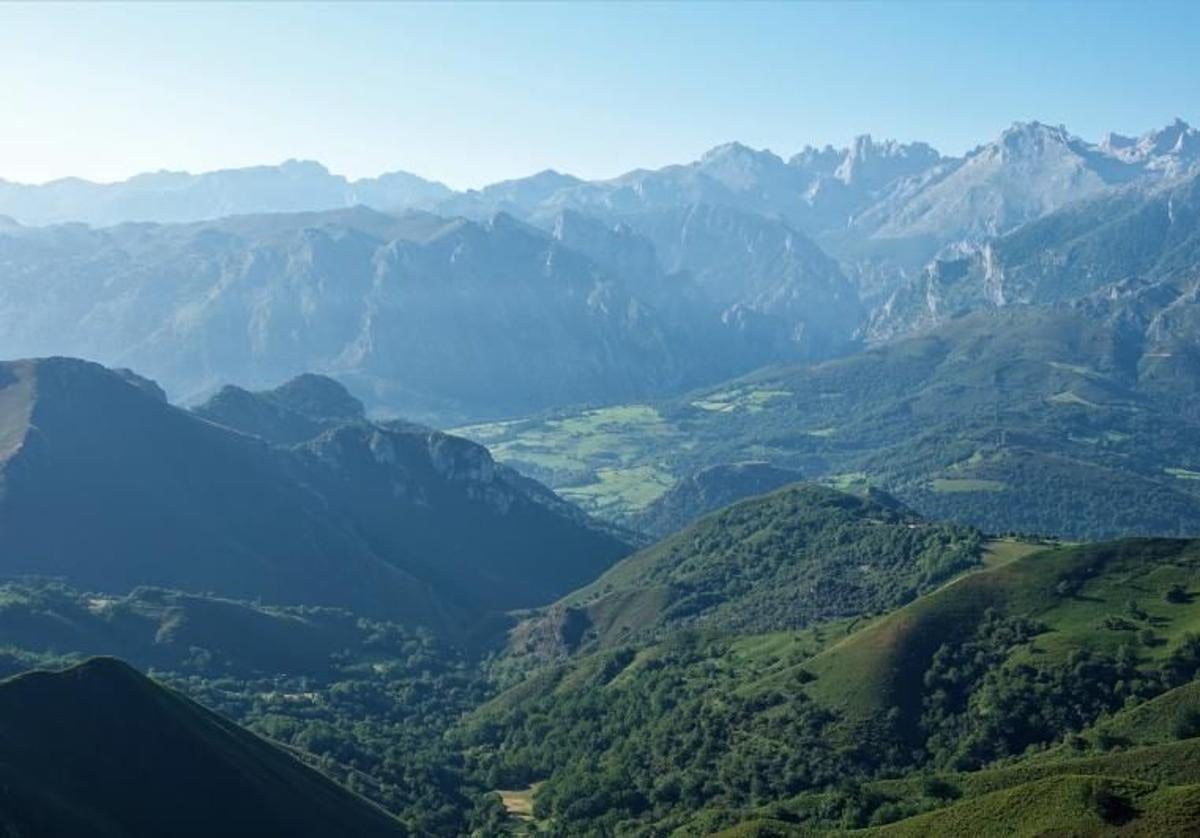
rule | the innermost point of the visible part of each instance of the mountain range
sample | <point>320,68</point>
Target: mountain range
<point>604,604</point>
<point>551,291</point>
<point>293,186</point>
<point>425,317</point>
<point>107,486</point>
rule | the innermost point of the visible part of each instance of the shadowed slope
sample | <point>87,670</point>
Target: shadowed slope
<point>101,750</point>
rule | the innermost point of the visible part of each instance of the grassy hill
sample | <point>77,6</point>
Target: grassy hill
<point>101,750</point>
<point>1094,599</point>
<point>1042,667</point>
<point>800,554</point>
<point>1066,805</point>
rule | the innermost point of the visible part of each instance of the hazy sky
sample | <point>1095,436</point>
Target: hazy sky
<point>473,93</point>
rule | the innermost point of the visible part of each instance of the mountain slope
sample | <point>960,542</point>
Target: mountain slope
<point>1071,420</point>
<point>1078,597</point>
<point>708,490</point>
<point>101,750</point>
<point>798,555</point>
<point>1033,670</point>
<point>401,521</point>
<point>1135,241</point>
<point>419,315</point>
<point>153,495</point>
<point>768,279</point>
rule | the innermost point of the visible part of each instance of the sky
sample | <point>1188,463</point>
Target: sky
<point>473,93</point>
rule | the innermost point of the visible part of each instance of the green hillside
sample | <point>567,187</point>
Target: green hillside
<point>801,554</point>
<point>1053,609</point>
<point>1041,667</point>
<point>101,750</point>
<point>1068,805</point>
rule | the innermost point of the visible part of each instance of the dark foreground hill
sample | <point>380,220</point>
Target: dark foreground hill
<point>106,485</point>
<point>101,750</point>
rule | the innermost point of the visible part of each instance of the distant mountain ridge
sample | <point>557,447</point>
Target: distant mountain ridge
<point>436,319</point>
<point>292,186</point>
<point>396,521</point>
<point>552,292</point>
<point>816,188</point>
<point>1107,245</point>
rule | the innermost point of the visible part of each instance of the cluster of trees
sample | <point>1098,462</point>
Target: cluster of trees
<point>688,733</point>
<point>639,744</point>
<point>367,702</point>
<point>378,724</point>
<point>978,707</point>
<point>803,554</point>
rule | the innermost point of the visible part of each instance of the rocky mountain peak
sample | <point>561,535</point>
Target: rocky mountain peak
<point>739,167</point>
<point>871,164</point>
<point>1029,139</point>
<point>318,397</point>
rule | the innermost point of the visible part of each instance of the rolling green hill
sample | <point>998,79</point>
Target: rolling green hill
<point>1043,667</point>
<point>1055,608</point>
<point>101,750</point>
<point>799,555</point>
<point>1067,805</point>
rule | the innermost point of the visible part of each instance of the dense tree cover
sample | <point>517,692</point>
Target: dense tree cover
<point>377,725</point>
<point>979,707</point>
<point>801,554</point>
<point>694,732</point>
<point>368,702</point>
<point>804,553</point>
<point>638,743</point>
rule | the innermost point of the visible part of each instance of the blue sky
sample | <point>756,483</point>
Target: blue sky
<point>473,93</point>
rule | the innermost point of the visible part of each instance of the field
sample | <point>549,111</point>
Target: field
<point>1005,423</point>
<point>611,461</point>
<point>967,485</point>
<point>519,805</point>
